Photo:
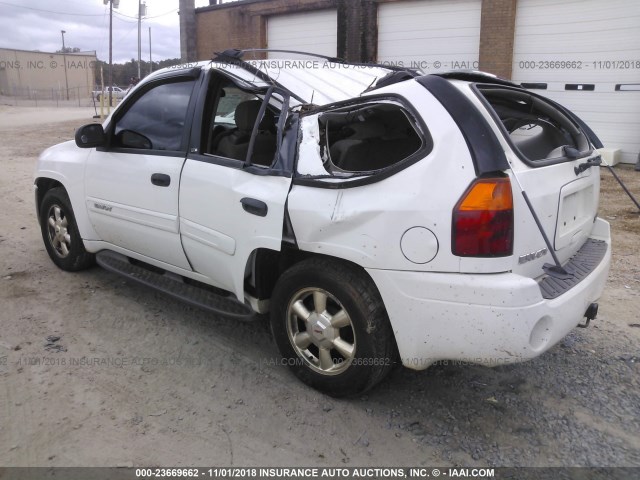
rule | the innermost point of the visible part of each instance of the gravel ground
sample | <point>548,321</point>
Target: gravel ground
<point>144,381</point>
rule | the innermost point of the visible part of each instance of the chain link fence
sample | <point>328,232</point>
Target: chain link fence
<point>54,97</point>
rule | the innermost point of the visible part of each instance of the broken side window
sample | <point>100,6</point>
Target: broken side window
<point>357,140</point>
<point>230,119</point>
<point>366,138</point>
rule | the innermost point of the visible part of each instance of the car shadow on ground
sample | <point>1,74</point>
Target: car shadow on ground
<point>508,415</point>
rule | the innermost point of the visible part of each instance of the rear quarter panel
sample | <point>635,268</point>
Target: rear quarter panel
<point>365,224</point>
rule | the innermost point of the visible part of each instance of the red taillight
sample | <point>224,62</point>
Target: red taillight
<point>483,220</point>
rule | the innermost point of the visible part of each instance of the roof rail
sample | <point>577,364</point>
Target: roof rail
<point>239,53</point>
<point>295,52</point>
<point>476,76</point>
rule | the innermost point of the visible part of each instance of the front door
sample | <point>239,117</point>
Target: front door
<point>132,186</point>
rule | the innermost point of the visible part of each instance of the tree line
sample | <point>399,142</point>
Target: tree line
<point>123,72</point>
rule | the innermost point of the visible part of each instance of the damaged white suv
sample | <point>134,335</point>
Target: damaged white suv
<point>379,215</point>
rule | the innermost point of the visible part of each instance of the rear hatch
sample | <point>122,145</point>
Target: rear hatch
<point>552,154</point>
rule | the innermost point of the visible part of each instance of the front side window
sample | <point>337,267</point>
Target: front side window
<point>156,120</point>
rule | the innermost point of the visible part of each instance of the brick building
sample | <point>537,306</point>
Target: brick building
<point>584,54</point>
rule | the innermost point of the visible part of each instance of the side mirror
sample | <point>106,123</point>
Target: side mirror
<point>90,136</point>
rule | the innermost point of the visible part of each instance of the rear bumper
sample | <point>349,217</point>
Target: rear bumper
<point>488,319</point>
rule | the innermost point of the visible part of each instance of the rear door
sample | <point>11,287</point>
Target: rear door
<point>230,207</point>
<point>551,155</point>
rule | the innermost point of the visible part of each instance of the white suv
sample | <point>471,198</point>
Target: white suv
<point>379,215</point>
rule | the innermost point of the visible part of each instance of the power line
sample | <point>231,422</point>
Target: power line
<point>51,11</point>
<point>163,14</point>
<point>147,18</point>
<point>84,14</point>
<point>123,15</point>
<point>119,16</point>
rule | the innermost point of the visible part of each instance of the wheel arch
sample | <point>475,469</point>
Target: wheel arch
<point>313,341</point>
<point>61,236</point>
<point>43,185</point>
<point>266,266</point>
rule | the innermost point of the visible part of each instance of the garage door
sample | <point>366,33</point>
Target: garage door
<point>434,35</point>
<point>587,55</point>
<point>315,32</point>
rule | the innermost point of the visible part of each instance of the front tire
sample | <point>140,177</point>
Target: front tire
<point>60,232</point>
<point>331,327</point>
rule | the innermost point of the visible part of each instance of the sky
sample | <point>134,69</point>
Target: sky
<point>36,25</point>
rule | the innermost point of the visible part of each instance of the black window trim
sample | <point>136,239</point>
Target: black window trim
<point>194,75</point>
<point>373,176</point>
<point>486,151</point>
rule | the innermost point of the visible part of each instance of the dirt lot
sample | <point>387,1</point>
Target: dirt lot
<point>146,381</point>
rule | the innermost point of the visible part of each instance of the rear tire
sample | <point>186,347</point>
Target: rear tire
<point>331,327</point>
<point>60,232</point>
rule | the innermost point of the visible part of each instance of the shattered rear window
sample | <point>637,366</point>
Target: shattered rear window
<point>537,130</point>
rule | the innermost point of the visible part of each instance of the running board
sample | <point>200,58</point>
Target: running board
<point>173,285</point>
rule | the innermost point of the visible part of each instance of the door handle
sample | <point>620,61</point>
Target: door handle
<point>161,179</point>
<point>255,207</point>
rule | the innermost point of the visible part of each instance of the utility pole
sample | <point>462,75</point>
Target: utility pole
<point>64,59</point>
<point>187,12</point>
<point>139,25</point>
<point>150,62</point>
<point>142,10</point>
<point>110,53</point>
<point>112,4</point>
